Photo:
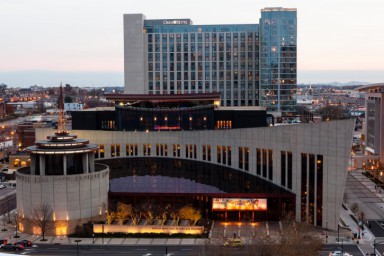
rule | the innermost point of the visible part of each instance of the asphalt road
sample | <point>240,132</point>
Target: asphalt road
<point>123,250</point>
<point>377,228</point>
<point>45,250</point>
<point>352,249</point>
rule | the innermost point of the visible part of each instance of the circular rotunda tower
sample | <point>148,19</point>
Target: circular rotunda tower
<point>64,179</point>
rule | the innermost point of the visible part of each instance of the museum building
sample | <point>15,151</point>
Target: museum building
<point>298,168</point>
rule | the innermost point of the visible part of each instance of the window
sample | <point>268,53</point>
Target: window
<point>264,155</point>
<point>283,168</point>
<point>241,161</point>
<point>224,148</point>
<point>101,150</point>
<point>270,164</point>
<point>209,152</point>
<point>117,149</point>
<point>229,155</point>
<point>186,151</point>
<point>146,149</point>
<point>246,159</point>
<point>157,150</point>
<point>204,152</point>
<point>258,161</point>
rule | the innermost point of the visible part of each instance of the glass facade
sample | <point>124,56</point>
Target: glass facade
<point>278,64</point>
<point>231,182</point>
<point>312,188</point>
<point>249,64</point>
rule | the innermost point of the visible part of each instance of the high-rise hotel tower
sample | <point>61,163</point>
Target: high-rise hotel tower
<point>249,64</point>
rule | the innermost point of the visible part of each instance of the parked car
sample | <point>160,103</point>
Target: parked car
<point>3,241</point>
<point>2,186</point>
<point>339,253</point>
<point>12,247</point>
<point>235,242</point>
<point>25,243</point>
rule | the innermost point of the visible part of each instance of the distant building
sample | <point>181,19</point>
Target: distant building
<point>374,122</point>
<point>26,133</point>
<point>68,107</point>
<point>248,64</point>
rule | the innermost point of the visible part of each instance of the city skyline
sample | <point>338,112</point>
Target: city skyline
<point>81,42</point>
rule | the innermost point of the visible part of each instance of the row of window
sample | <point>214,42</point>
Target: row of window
<point>191,37</point>
<point>264,157</point>
<point>207,47</point>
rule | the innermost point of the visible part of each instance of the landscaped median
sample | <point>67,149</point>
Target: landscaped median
<point>159,229</point>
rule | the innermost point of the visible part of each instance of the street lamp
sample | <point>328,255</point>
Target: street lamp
<point>338,232</point>
<point>77,246</point>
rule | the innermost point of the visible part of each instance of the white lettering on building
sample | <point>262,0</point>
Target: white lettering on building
<point>175,22</point>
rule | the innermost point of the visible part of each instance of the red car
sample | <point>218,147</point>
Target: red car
<point>3,241</point>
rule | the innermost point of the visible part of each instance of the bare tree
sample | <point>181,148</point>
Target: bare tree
<point>4,220</point>
<point>16,219</point>
<point>42,216</point>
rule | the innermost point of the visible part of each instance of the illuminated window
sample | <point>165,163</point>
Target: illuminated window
<point>113,150</point>
<point>101,150</point>
<point>174,147</point>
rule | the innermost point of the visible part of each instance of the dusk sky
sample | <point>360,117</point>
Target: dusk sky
<point>81,41</point>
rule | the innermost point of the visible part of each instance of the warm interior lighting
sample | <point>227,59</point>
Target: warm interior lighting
<point>61,231</point>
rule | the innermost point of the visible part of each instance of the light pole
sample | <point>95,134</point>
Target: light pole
<point>326,232</point>
<point>77,241</point>
<point>374,246</point>
<point>338,233</point>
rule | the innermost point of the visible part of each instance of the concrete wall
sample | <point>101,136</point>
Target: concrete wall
<point>332,140</point>
<point>72,197</point>
<point>135,66</point>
